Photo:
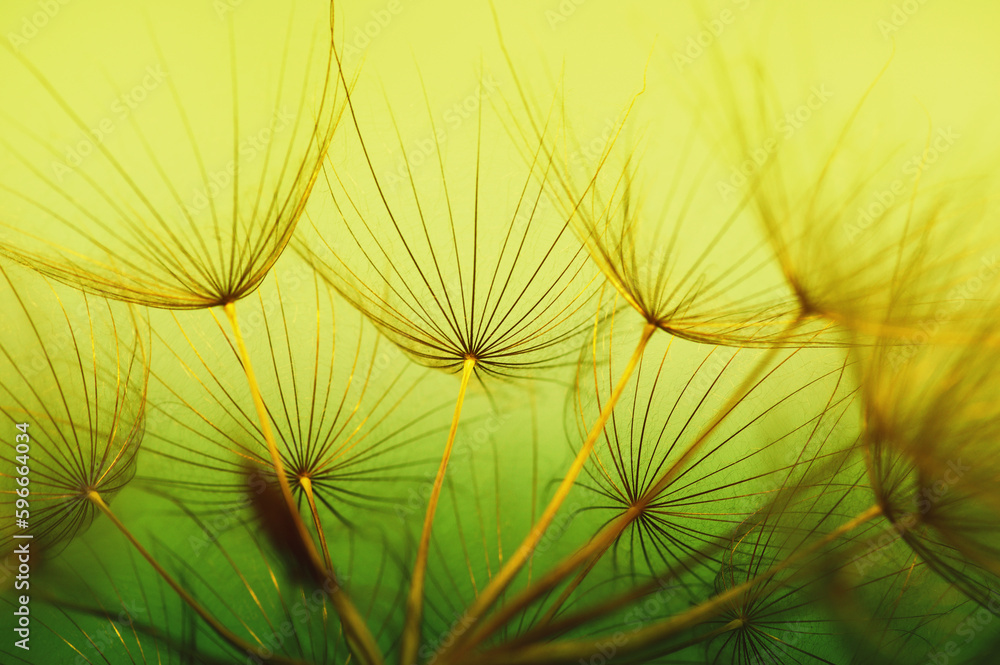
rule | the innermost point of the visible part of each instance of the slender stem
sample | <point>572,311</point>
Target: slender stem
<point>499,655</point>
<point>415,601</point>
<point>306,485</point>
<point>596,611</point>
<point>506,574</point>
<point>550,614</point>
<point>268,433</point>
<point>574,650</point>
<point>735,624</point>
<point>95,498</point>
<point>359,637</point>
<point>480,630</point>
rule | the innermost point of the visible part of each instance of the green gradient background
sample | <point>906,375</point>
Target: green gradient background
<point>944,67</point>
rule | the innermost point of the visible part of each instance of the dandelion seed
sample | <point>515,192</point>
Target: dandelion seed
<point>182,196</point>
<point>893,274</point>
<point>488,291</point>
<point>931,428</point>
<point>75,372</point>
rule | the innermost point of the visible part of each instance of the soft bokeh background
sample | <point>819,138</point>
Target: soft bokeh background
<point>942,67</point>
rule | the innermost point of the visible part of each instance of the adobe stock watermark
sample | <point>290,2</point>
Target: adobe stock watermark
<point>637,618</point>
<point>785,127</point>
<point>901,14</point>
<point>453,117</point>
<point>366,33</point>
<point>562,12</point>
<point>953,302</point>
<point>62,340</point>
<point>224,7</point>
<point>108,636</point>
<point>883,200</point>
<point>591,151</point>
<point>123,106</point>
<point>715,374</point>
<point>968,628</point>
<point>820,432</point>
<point>292,279</point>
<point>786,641</point>
<point>247,150</point>
<point>34,23</point>
<point>212,529</point>
<point>712,30</point>
<point>926,498</point>
<point>304,607</point>
<point>459,626</point>
<point>465,446</point>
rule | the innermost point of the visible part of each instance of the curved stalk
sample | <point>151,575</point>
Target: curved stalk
<point>306,484</point>
<point>95,498</point>
<point>575,650</point>
<point>476,630</point>
<point>359,637</point>
<point>524,551</point>
<point>268,433</point>
<point>415,601</point>
<point>551,613</point>
<point>499,655</point>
